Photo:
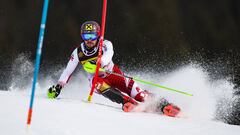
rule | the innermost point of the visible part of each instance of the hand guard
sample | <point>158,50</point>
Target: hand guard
<point>54,91</point>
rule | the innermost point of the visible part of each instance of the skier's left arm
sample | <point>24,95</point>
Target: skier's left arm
<point>107,53</point>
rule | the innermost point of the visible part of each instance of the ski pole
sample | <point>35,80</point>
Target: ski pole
<point>92,68</point>
<point>100,49</point>
<point>38,57</point>
<point>150,83</point>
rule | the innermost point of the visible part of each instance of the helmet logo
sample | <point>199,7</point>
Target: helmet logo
<point>89,27</point>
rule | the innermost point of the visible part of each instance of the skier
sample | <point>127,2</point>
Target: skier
<point>118,89</point>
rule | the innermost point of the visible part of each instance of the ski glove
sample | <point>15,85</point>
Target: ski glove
<point>54,91</point>
<point>91,68</point>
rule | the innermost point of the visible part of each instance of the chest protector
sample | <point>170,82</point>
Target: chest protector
<point>86,55</point>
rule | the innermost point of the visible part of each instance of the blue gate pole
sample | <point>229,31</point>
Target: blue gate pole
<point>38,57</point>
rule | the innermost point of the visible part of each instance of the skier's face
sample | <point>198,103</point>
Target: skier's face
<point>90,39</point>
<point>90,43</point>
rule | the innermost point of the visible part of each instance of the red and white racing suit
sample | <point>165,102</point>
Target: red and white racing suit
<point>81,55</point>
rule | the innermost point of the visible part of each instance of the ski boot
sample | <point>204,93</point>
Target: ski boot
<point>171,110</point>
<point>128,107</point>
<point>167,108</point>
<point>140,97</point>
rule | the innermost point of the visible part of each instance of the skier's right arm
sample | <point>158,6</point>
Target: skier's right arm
<point>54,91</point>
<point>71,66</point>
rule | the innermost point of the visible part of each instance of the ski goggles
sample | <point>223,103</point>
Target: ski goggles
<point>90,36</point>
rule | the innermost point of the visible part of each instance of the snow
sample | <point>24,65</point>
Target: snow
<point>72,115</point>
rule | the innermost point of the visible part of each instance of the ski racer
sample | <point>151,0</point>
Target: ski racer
<point>118,89</point>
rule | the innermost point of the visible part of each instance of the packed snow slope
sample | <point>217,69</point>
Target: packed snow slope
<point>70,114</point>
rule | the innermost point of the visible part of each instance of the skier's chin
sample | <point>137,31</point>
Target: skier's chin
<point>90,44</point>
